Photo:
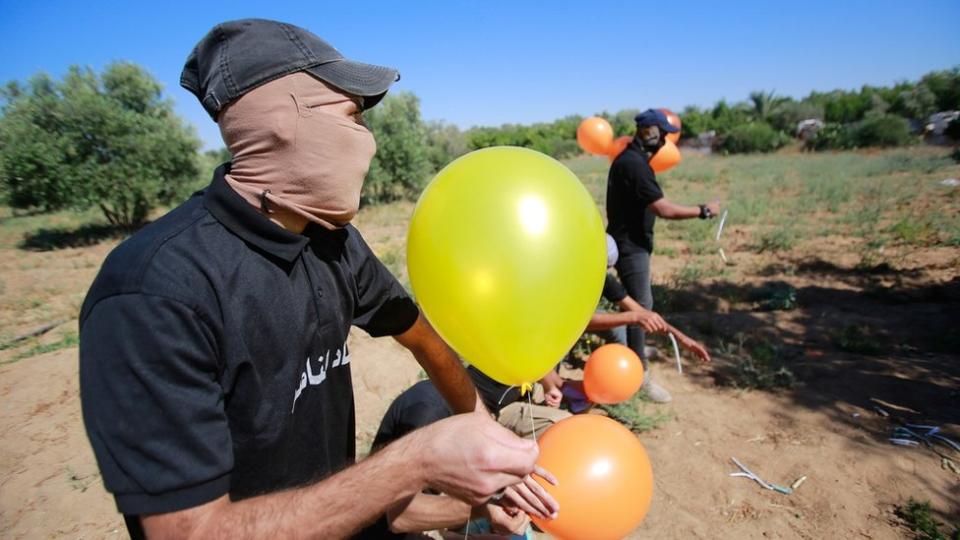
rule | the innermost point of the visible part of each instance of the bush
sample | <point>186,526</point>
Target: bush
<point>875,130</point>
<point>109,141</point>
<point>880,130</point>
<point>752,137</point>
<point>446,143</point>
<point>557,139</point>
<point>401,165</point>
<point>790,113</point>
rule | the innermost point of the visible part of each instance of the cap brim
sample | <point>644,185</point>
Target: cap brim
<point>670,128</point>
<point>365,80</point>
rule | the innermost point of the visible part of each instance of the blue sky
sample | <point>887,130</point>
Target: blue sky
<point>491,62</point>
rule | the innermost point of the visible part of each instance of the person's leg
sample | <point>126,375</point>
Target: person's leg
<point>516,418</point>
<point>634,272</point>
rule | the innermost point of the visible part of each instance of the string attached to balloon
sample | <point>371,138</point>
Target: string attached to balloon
<point>676,352</point>
<point>723,219</point>
<point>533,427</point>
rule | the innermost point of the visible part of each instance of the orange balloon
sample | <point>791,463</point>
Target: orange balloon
<point>604,476</point>
<point>595,136</point>
<point>619,145</point>
<point>613,373</point>
<point>674,121</point>
<point>666,157</point>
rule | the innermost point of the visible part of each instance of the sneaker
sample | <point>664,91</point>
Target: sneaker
<point>655,392</point>
<point>651,353</point>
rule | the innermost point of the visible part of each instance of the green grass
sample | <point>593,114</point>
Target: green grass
<point>636,414</point>
<point>858,339</point>
<point>782,237</point>
<point>918,517</point>
<point>70,339</point>
<point>755,364</point>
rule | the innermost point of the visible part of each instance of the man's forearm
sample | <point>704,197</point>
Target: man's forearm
<point>442,366</point>
<point>606,321</point>
<point>334,508</point>
<point>667,209</point>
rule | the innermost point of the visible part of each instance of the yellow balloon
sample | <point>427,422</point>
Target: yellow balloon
<point>506,255</point>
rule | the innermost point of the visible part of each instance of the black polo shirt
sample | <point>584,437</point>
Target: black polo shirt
<point>613,290</point>
<point>213,353</point>
<point>631,188</point>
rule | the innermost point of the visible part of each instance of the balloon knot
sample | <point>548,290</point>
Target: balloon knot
<point>526,387</point>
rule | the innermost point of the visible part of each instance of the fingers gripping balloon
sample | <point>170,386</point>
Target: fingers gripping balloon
<point>506,255</point>
<point>604,478</point>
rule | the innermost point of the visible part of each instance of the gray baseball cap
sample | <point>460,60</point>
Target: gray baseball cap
<point>238,56</point>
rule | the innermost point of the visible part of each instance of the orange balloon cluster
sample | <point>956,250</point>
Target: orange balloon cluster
<point>595,136</point>
<point>666,157</point>
<point>619,145</point>
<point>604,479</point>
<point>613,373</point>
<point>674,121</point>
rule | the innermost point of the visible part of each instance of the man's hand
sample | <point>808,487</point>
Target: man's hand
<point>530,496</point>
<point>505,520</point>
<point>471,457</point>
<point>714,207</point>
<point>695,347</point>
<point>650,321</point>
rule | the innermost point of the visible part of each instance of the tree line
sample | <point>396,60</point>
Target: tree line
<point>112,141</point>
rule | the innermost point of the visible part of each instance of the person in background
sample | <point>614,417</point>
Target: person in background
<point>634,202</point>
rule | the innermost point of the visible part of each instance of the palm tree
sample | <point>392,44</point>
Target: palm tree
<point>765,103</point>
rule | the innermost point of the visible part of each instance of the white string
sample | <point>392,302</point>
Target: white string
<point>676,352</point>
<point>533,427</point>
<point>723,219</point>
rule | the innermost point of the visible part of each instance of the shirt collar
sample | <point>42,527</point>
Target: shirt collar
<point>245,221</point>
<point>637,146</point>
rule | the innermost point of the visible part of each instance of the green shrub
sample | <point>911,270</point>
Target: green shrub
<point>829,137</point>
<point>753,137</point>
<point>875,130</point>
<point>760,367</point>
<point>401,165</point>
<point>918,516</point>
<point>880,130</point>
<point>781,238</point>
<point>109,141</point>
<point>788,114</point>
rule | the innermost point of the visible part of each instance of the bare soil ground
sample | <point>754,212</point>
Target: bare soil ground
<point>859,337</point>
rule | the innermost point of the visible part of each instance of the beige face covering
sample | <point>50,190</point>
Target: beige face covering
<point>298,151</point>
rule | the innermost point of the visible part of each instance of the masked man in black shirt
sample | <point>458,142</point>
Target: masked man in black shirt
<point>214,367</point>
<point>634,201</point>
